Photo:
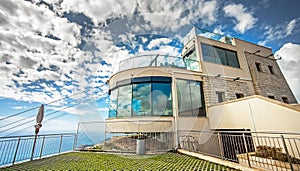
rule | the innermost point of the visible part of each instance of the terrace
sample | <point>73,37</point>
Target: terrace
<point>99,149</point>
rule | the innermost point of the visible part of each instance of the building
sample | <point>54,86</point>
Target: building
<point>219,83</point>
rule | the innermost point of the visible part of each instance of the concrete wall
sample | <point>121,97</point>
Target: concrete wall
<point>256,113</point>
<point>140,124</point>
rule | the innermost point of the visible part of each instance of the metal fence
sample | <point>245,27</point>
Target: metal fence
<point>270,151</point>
<point>97,136</point>
<point>15,149</point>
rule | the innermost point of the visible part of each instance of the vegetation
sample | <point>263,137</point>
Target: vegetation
<point>274,153</point>
<point>105,161</point>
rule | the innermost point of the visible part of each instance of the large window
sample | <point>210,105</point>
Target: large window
<point>190,98</point>
<point>219,55</point>
<point>144,96</point>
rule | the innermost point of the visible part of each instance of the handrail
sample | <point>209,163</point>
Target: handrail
<point>253,132</point>
<point>47,135</point>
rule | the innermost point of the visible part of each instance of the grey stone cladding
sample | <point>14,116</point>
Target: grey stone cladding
<point>211,85</point>
<point>265,82</point>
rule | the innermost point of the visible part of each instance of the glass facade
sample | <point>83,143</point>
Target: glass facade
<point>190,98</point>
<point>219,55</point>
<point>144,96</point>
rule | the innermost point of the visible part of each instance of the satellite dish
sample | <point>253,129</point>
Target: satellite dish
<point>40,115</point>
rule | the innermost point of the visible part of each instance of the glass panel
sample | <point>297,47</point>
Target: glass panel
<point>161,99</point>
<point>141,99</point>
<point>113,104</point>
<point>124,101</point>
<point>232,59</point>
<point>196,95</point>
<point>221,56</point>
<point>183,95</point>
<point>208,53</point>
<point>142,61</point>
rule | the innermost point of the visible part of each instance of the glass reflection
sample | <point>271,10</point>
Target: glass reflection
<point>140,99</point>
<point>113,104</point>
<point>189,97</point>
<point>161,99</point>
<point>124,101</point>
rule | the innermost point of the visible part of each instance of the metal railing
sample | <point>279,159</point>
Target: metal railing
<point>16,149</point>
<point>154,60</point>
<point>270,151</point>
<point>98,136</point>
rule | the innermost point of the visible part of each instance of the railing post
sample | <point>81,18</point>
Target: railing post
<point>16,152</point>
<point>287,152</point>
<point>220,145</point>
<point>41,152</point>
<point>61,137</point>
<point>76,136</point>
<point>34,143</point>
<point>246,148</point>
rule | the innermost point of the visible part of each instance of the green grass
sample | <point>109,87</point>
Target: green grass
<point>105,161</point>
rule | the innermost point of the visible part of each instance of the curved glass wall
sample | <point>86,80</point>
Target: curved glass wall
<point>144,96</point>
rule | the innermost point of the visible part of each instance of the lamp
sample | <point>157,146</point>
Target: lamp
<point>217,76</point>
<point>237,78</point>
<point>269,55</point>
<point>256,52</point>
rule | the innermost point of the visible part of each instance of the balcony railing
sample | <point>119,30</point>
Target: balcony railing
<point>267,150</point>
<point>19,148</point>
<point>154,61</point>
<point>207,34</point>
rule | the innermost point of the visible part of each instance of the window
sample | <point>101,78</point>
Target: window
<point>141,96</point>
<point>258,67</point>
<point>271,69</point>
<point>190,98</point>
<point>141,99</point>
<point>113,103</point>
<point>239,95</point>
<point>220,96</point>
<point>271,97</point>
<point>161,99</point>
<point>124,101</point>
<point>219,55</point>
<point>285,100</point>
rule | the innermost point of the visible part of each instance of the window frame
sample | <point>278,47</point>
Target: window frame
<point>271,69</point>
<point>136,81</point>
<point>222,93</point>
<point>258,66</point>
<point>194,112</point>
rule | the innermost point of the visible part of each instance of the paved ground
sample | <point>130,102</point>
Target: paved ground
<point>104,161</point>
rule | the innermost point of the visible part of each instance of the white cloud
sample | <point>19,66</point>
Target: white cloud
<point>278,32</point>
<point>289,65</point>
<point>158,42</point>
<point>290,27</point>
<point>244,19</point>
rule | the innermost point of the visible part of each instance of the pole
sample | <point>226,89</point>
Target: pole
<point>34,143</point>
<point>17,148</point>
<point>246,148</point>
<point>287,152</point>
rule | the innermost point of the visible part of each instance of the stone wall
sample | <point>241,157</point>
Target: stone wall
<point>211,85</point>
<point>268,84</point>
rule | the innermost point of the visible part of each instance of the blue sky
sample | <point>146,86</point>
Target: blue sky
<point>56,48</point>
